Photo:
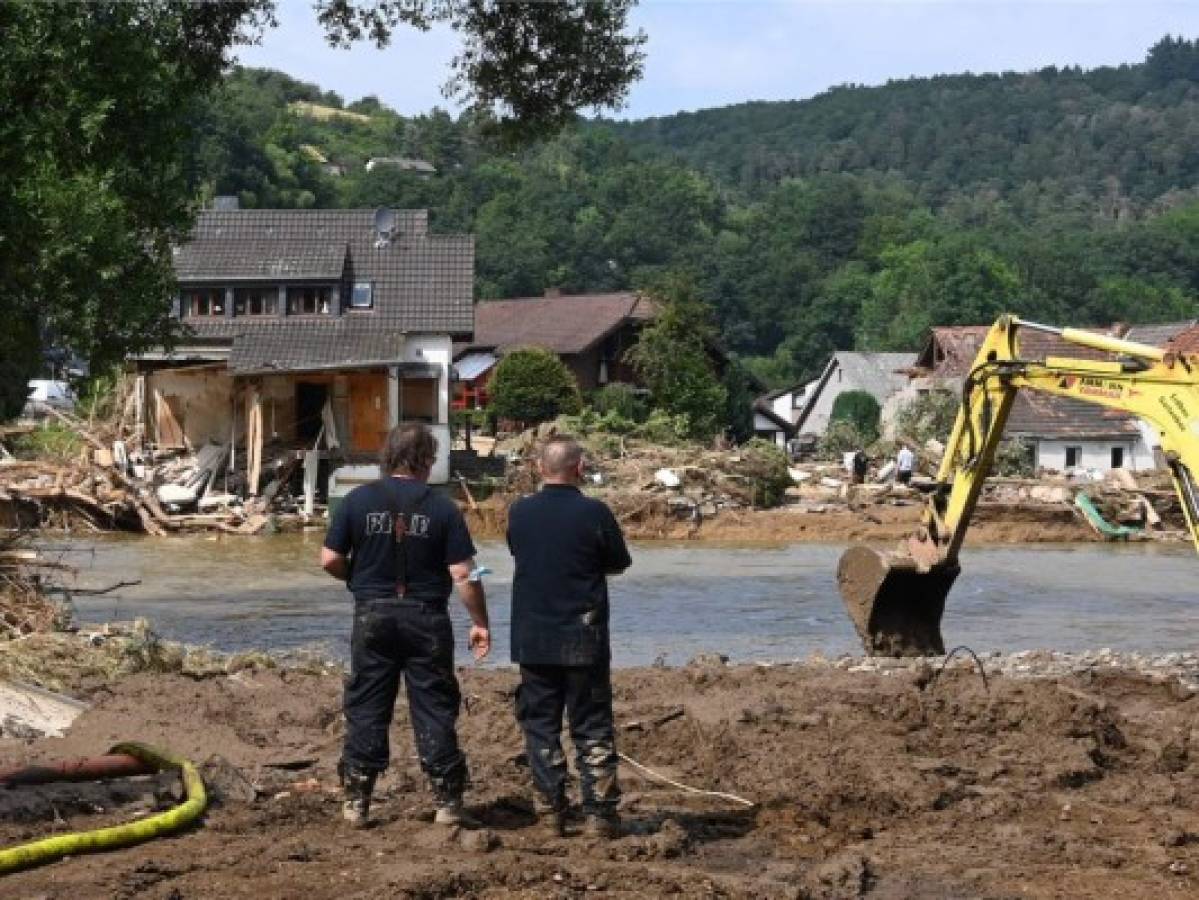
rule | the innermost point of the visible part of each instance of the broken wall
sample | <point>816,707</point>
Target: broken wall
<point>198,400</point>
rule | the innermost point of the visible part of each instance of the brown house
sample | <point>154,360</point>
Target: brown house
<point>590,332</point>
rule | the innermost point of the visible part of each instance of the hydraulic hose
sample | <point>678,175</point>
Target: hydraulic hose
<point>36,853</point>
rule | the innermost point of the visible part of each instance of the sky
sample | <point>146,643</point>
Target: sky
<point>705,53</point>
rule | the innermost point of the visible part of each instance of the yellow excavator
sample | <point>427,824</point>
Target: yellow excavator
<point>896,599</point>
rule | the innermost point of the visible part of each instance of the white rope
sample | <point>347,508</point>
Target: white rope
<point>646,770</point>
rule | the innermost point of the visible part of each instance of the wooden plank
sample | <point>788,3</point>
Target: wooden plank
<point>167,430</point>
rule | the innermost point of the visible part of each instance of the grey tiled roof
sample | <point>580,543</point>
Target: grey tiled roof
<point>259,259</point>
<point>421,283</point>
<point>313,345</point>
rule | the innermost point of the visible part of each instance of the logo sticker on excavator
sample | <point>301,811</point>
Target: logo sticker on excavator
<point>1097,387</point>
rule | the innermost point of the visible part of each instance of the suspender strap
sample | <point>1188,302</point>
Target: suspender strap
<point>401,520</point>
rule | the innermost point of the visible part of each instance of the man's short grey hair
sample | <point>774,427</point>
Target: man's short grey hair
<point>560,455</point>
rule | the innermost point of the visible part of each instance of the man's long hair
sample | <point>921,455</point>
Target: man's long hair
<point>410,449</point>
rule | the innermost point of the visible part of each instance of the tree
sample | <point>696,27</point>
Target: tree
<point>535,64</point>
<point>100,167</point>
<point>673,358</point>
<point>533,385</point>
<point>861,410</point>
<point>95,100</point>
<point>739,400</point>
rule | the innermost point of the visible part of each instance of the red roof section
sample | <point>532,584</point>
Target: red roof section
<point>1186,342</point>
<point>564,324</point>
<point>950,352</point>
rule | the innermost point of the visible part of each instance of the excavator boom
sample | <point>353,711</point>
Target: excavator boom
<point>896,599</point>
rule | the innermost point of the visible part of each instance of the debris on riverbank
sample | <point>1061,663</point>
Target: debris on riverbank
<point>108,486</point>
<point>1062,774</point>
<point>689,492</point>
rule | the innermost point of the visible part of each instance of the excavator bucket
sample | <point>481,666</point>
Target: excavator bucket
<point>895,602</point>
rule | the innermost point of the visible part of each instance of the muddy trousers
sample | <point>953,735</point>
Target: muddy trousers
<point>584,693</point>
<point>390,639</point>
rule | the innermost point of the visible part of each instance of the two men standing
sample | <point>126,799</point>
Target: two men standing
<point>401,548</point>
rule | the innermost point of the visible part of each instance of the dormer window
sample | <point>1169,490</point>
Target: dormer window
<point>255,301</point>
<point>202,303</point>
<point>309,301</point>
<point>362,296</point>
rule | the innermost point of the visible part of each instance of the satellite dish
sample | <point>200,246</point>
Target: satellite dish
<point>385,225</point>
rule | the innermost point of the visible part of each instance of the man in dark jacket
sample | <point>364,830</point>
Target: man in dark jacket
<point>565,544</point>
<point>401,547</point>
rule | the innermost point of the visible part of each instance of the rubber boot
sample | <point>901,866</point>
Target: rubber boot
<point>602,825</point>
<point>555,814</point>
<point>452,812</point>
<point>357,786</point>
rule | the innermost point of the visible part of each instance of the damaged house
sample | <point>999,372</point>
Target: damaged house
<point>1064,434</point>
<point>306,335</point>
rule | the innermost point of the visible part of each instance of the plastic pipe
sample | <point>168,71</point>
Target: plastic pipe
<point>37,853</point>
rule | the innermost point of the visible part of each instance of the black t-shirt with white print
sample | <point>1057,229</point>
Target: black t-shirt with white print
<point>435,537</point>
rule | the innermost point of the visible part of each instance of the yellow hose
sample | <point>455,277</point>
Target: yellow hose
<point>25,856</point>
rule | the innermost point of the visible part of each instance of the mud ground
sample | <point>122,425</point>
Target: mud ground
<point>868,784</point>
<point>876,523</point>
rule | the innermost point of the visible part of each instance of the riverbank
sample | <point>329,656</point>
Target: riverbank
<point>1061,775</point>
<point>651,519</point>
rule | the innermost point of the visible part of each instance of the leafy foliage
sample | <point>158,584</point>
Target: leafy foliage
<point>841,436</point>
<point>623,400</point>
<point>534,64</point>
<point>927,417</point>
<point>672,358</point>
<point>533,385</point>
<point>861,409</point>
<point>766,466</point>
<point>95,105</point>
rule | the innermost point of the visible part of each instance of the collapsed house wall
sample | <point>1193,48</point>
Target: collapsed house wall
<point>192,404</point>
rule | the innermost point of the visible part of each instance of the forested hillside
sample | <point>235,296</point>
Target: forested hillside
<point>857,218</point>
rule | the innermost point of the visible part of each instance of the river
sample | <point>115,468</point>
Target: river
<point>677,600</point>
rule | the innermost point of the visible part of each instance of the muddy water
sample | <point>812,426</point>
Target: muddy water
<point>676,601</point>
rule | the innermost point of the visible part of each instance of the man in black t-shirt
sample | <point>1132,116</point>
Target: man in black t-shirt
<point>401,548</point>
<point>565,545</point>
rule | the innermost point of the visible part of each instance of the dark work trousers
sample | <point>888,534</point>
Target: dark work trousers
<point>585,694</point>
<point>390,638</point>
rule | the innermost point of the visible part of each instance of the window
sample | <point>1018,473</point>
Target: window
<point>1117,457</point>
<point>255,301</point>
<point>1073,457</point>
<point>362,297</point>
<point>204,302</point>
<point>309,301</point>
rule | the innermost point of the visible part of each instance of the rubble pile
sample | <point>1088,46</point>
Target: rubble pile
<point>112,487</point>
<point>654,489</point>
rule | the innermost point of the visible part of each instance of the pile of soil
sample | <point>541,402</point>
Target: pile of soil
<point>649,517</point>
<point>867,783</point>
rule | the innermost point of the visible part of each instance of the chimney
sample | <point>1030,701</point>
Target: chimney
<point>225,203</point>
<point>551,292</point>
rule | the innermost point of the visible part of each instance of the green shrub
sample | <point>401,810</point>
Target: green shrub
<point>859,408</point>
<point>624,400</point>
<point>663,428</point>
<point>929,416</point>
<point>841,437</point>
<point>1013,459</point>
<point>50,441</point>
<point>765,464</point>
<point>533,385</point>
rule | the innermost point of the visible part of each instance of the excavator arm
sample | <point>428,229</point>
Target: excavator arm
<point>896,600</point>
